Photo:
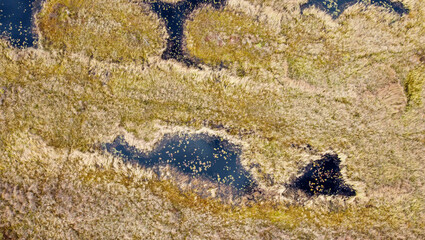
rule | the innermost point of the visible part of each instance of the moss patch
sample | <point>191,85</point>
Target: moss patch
<point>116,31</point>
<point>226,37</point>
<point>414,85</point>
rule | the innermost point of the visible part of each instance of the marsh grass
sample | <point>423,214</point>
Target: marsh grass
<point>326,84</point>
<point>117,31</point>
<point>230,38</point>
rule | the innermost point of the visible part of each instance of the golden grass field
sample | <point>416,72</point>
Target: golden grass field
<point>352,86</point>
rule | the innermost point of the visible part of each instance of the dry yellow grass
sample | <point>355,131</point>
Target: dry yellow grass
<point>353,86</point>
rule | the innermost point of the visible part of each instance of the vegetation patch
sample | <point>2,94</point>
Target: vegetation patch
<point>228,38</point>
<point>116,31</point>
<point>414,86</point>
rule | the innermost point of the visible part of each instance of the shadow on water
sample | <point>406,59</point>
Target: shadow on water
<point>324,177</point>
<point>336,7</point>
<point>174,15</point>
<point>16,21</point>
<point>200,155</point>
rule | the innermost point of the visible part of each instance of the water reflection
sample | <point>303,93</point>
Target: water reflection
<point>200,155</point>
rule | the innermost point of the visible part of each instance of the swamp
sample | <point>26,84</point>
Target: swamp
<point>202,119</point>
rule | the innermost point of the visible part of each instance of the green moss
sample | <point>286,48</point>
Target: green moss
<point>414,86</point>
<point>303,68</point>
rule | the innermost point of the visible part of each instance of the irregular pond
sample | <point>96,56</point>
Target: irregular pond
<point>324,177</point>
<point>199,155</point>
<point>16,21</point>
<point>174,15</point>
<point>337,7</point>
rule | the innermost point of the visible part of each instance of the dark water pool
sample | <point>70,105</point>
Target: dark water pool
<point>337,7</point>
<point>16,21</point>
<point>174,15</point>
<point>199,155</point>
<point>324,177</point>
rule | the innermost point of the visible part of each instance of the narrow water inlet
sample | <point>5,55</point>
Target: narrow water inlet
<point>199,155</point>
<point>174,15</point>
<point>16,21</point>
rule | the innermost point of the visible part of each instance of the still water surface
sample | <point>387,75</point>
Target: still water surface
<point>16,22</point>
<point>199,155</point>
